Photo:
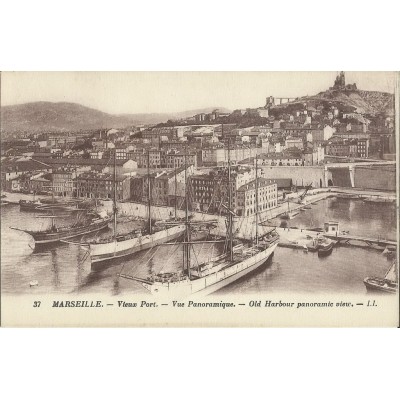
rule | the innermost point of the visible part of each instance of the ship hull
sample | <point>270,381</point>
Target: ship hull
<point>325,250</point>
<point>52,237</point>
<point>380,285</point>
<point>27,206</point>
<point>212,282</point>
<point>231,279</point>
<point>107,251</point>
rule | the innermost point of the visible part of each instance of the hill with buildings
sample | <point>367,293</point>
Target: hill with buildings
<point>348,98</point>
<point>363,102</point>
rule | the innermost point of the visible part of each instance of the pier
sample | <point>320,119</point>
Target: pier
<point>296,238</point>
<point>348,239</point>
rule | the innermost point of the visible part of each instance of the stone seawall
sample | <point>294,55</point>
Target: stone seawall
<point>381,177</point>
<point>301,176</point>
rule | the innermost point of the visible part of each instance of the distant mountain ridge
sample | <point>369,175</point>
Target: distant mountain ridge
<point>44,116</point>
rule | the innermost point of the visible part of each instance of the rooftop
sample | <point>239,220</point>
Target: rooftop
<point>100,177</point>
<point>83,161</point>
<point>262,182</point>
<point>23,165</point>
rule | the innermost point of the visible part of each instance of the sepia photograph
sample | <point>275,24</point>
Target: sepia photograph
<point>204,194</point>
<point>199,199</point>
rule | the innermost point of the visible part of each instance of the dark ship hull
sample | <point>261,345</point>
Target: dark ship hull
<point>29,205</point>
<point>325,249</point>
<point>56,235</point>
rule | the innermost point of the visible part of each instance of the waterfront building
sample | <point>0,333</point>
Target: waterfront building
<point>163,183</point>
<point>62,182</point>
<point>246,197</point>
<point>11,169</point>
<point>101,186</point>
<point>177,185</point>
<point>30,183</point>
<point>209,192</point>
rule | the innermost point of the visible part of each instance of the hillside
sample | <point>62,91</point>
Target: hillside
<point>47,116</point>
<point>359,101</point>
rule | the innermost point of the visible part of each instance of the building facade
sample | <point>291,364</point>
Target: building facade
<point>247,202</point>
<point>101,186</point>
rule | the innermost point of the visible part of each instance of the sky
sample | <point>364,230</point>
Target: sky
<point>169,92</point>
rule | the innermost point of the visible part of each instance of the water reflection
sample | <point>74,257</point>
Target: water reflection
<point>66,268</point>
<point>54,268</point>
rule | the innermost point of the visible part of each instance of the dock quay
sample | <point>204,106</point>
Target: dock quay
<point>360,241</point>
<point>296,238</point>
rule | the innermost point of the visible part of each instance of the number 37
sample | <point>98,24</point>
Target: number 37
<point>36,304</point>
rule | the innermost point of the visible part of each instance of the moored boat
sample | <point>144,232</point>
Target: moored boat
<point>325,247</point>
<point>217,272</point>
<point>57,234</point>
<point>388,284</point>
<point>117,246</point>
<point>313,245</point>
<point>29,205</point>
<point>126,245</point>
<point>208,277</point>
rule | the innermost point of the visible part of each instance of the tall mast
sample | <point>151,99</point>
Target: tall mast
<point>256,187</point>
<point>186,245</point>
<point>175,192</point>
<point>230,216</point>
<point>149,190</point>
<point>115,195</point>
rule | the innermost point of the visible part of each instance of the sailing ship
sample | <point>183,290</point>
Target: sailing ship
<point>387,284</point>
<point>205,278</point>
<point>82,226</point>
<point>116,246</point>
<point>289,214</point>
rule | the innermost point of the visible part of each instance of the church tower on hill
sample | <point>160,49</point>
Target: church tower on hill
<point>340,83</point>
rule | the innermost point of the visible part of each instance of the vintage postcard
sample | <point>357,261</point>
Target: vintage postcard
<point>199,199</point>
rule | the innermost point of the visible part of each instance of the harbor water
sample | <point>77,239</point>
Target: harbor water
<point>65,268</point>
